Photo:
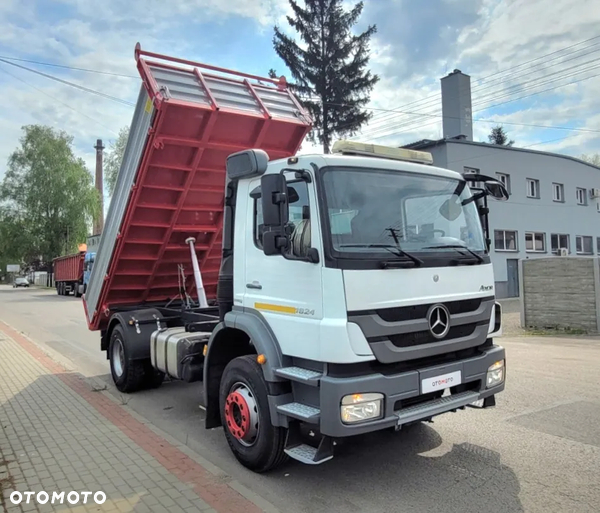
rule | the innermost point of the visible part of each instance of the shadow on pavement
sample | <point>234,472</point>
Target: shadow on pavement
<point>388,472</point>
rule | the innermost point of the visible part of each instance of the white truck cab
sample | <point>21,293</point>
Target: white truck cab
<point>365,287</point>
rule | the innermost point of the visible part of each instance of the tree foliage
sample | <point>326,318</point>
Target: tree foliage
<point>48,199</point>
<point>498,136</point>
<point>593,159</point>
<point>113,159</point>
<point>329,67</point>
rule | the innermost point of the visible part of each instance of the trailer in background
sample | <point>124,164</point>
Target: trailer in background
<point>68,274</point>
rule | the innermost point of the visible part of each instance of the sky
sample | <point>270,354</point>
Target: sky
<point>531,62</point>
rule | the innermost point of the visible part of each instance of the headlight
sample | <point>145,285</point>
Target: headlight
<point>361,407</point>
<point>495,374</point>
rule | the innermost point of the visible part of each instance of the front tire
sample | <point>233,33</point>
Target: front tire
<point>245,416</point>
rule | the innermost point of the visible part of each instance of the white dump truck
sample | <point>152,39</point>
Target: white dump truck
<point>344,293</point>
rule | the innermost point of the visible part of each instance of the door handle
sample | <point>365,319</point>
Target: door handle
<point>254,285</point>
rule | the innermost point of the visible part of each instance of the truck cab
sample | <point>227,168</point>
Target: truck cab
<point>88,264</point>
<point>365,282</point>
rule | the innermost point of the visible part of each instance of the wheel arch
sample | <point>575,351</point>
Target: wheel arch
<point>137,336</point>
<point>241,333</point>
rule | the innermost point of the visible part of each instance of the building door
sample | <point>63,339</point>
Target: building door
<point>512,268</point>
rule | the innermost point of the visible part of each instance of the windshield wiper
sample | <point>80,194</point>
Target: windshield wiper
<point>458,247</point>
<point>402,256</point>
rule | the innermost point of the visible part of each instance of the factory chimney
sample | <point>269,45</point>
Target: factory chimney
<point>456,106</point>
<point>99,222</point>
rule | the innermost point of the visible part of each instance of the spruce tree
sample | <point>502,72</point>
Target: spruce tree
<point>329,67</point>
<point>498,136</point>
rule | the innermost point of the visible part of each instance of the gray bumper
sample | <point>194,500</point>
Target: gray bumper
<point>405,386</point>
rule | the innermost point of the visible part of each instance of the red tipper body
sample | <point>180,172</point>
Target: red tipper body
<point>69,268</point>
<point>173,188</point>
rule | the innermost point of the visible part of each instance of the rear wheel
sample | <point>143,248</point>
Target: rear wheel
<point>127,375</point>
<point>255,442</point>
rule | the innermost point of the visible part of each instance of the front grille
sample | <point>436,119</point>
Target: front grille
<point>418,338</point>
<point>407,313</point>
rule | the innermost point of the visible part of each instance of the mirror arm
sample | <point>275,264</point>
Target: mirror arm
<point>475,197</point>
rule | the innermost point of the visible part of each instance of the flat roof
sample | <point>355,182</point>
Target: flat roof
<point>427,143</point>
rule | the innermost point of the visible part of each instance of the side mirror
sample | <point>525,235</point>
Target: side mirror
<point>247,163</point>
<point>496,190</point>
<point>451,209</point>
<point>274,200</point>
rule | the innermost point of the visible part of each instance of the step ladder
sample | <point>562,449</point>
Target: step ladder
<point>295,446</point>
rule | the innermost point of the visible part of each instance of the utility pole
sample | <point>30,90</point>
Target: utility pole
<point>99,222</point>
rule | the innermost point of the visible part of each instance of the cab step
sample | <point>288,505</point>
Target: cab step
<point>308,454</point>
<point>296,448</point>
<point>306,376</point>
<point>300,411</point>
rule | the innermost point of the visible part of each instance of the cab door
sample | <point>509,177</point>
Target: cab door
<point>286,289</point>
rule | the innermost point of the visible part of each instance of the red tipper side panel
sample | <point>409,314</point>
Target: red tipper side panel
<point>68,268</point>
<point>201,118</point>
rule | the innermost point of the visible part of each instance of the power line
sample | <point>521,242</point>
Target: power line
<point>478,88</point>
<point>72,84</point>
<point>513,68</point>
<point>88,70</point>
<point>57,100</point>
<point>507,92</point>
<point>486,107</point>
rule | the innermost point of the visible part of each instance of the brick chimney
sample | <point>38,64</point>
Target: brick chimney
<point>99,222</point>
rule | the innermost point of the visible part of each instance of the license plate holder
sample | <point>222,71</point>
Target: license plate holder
<point>441,382</point>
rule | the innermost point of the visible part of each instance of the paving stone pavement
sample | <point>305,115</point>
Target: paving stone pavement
<point>59,435</point>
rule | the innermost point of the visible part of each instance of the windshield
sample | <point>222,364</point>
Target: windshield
<point>372,210</point>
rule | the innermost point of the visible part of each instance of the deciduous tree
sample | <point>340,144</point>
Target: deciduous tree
<point>114,158</point>
<point>48,197</point>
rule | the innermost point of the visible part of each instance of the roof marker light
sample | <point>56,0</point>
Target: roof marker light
<point>386,152</point>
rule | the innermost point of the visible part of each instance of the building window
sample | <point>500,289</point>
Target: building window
<point>598,245</point>
<point>584,245</point>
<point>505,240</point>
<point>598,206</point>
<point>558,192</point>
<point>581,196</point>
<point>559,241</point>
<point>535,242</point>
<point>533,188</point>
<point>505,179</point>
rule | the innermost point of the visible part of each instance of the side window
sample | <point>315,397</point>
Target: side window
<point>299,219</point>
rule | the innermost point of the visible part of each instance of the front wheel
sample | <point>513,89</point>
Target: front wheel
<point>255,442</point>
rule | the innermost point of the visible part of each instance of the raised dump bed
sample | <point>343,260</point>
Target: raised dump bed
<point>189,117</point>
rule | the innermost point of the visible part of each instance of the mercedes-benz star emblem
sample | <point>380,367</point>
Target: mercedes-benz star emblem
<point>439,321</point>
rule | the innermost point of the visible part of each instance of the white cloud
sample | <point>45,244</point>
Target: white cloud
<point>500,35</point>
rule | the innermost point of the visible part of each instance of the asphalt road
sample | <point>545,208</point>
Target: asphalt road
<point>538,450</point>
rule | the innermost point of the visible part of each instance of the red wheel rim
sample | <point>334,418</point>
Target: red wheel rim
<point>237,415</point>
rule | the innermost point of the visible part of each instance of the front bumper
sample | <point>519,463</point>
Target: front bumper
<point>403,386</point>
